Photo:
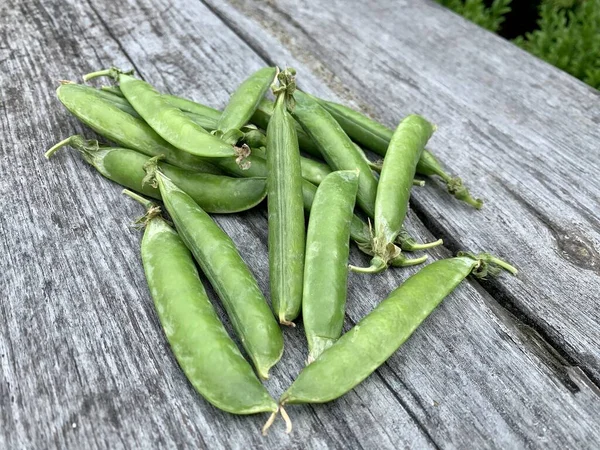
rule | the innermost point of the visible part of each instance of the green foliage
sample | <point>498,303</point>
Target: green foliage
<point>568,34</point>
<point>568,37</point>
<point>476,11</point>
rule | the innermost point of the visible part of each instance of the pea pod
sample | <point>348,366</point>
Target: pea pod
<point>168,121</point>
<point>261,118</point>
<point>245,100</point>
<point>326,262</point>
<point>285,204</point>
<point>112,90</point>
<point>214,193</point>
<point>205,352</point>
<point>312,170</point>
<point>378,335</point>
<point>376,137</point>
<point>194,107</point>
<point>112,123</point>
<point>229,275</point>
<point>393,192</point>
<point>205,121</point>
<point>336,147</point>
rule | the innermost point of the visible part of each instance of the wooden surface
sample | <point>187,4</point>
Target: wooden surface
<point>510,363</point>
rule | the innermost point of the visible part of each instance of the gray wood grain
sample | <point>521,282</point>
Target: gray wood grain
<point>83,361</point>
<point>523,134</point>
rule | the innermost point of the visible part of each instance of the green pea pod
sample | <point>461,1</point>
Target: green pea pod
<point>112,123</point>
<point>229,275</point>
<point>245,100</point>
<point>205,352</point>
<point>167,120</point>
<point>113,90</point>
<point>285,204</point>
<point>359,230</point>
<point>336,147</point>
<point>261,118</point>
<point>312,170</point>
<point>393,192</point>
<point>378,335</point>
<point>118,101</point>
<point>376,137</point>
<point>194,107</point>
<point>326,262</point>
<point>213,193</point>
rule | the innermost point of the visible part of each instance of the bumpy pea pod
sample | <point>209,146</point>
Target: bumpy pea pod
<point>112,123</point>
<point>285,204</point>
<point>326,262</point>
<point>205,352</point>
<point>336,147</point>
<point>393,192</point>
<point>229,275</point>
<point>214,193</point>
<point>378,335</point>
<point>376,137</point>
<point>168,121</point>
<point>244,101</point>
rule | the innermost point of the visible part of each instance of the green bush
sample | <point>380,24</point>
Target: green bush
<point>569,38</point>
<point>567,34</point>
<point>476,11</point>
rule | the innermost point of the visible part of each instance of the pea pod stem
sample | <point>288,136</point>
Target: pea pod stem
<point>273,416</point>
<point>409,244</point>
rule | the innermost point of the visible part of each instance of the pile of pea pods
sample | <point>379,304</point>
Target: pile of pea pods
<point>306,156</point>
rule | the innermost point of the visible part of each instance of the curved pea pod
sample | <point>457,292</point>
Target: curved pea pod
<point>379,334</point>
<point>376,137</point>
<point>245,100</point>
<point>173,125</point>
<point>393,191</point>
<point>326,262</point>
<point>112,123</point>
<point>336,147</point>
<point>205,352</point>
<point>229,275</point>
<point>285,205</point>
<point>205,121</point>
<point>213,193</point>
<point>193,107</point>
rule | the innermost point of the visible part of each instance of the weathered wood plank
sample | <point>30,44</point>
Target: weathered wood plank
<point>522,133</point>
<point>80,343</point>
